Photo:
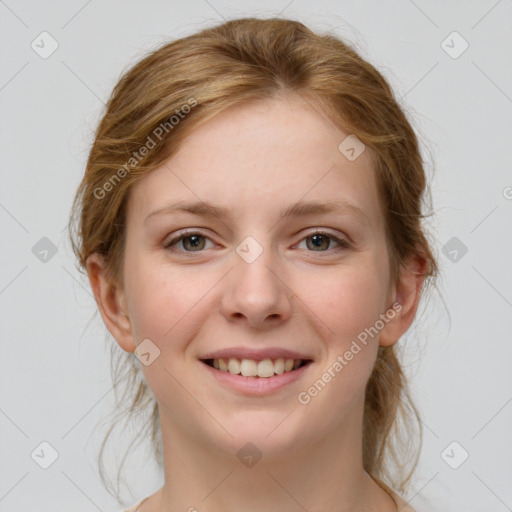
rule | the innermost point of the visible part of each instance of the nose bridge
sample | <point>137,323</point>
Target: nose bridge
<point>255,289</point>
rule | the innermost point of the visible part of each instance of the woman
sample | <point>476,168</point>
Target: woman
<point>250,223</point>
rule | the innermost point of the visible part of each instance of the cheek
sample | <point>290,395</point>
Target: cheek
<point>168,307</point>
<point>349,306</point>
<point>346,302</point>
<point>159,300</point>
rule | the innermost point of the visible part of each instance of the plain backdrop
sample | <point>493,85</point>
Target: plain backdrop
<point>449,63</point>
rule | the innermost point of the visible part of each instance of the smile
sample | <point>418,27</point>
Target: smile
<point>265,368</point>
<point>256,378</point>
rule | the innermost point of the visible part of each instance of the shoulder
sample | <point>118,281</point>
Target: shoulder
<point>135,508</point>
<point>402,505</point>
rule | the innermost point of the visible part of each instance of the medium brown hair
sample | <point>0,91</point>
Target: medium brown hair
<point>230,64</point>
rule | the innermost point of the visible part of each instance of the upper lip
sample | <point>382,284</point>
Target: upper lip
<point>256,354</point>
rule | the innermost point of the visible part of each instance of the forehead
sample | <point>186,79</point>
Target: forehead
<point>258,157</point>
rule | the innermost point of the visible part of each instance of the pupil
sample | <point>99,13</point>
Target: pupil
<point>194,240</point>
<point>317,240</point>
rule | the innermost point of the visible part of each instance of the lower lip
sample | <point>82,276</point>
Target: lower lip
<point>256,386</point>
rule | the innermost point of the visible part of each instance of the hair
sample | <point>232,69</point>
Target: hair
<point>186,82</point>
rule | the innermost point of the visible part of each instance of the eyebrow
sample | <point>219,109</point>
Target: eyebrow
<point>299,209</point>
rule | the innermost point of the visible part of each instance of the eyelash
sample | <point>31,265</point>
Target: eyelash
<point>343,244</point>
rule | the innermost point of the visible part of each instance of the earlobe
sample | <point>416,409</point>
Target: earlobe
<point>111,303</point>
<point>407,293</point>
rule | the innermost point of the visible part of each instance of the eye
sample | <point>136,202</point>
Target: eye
<point>321,240</point>
<point>193,240</point>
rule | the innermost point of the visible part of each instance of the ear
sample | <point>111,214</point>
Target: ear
<point>405,295</point>
<point>111,302</point>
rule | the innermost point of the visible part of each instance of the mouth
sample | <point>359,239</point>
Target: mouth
<point>256,369</point>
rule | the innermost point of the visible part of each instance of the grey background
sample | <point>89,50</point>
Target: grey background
<point>54,380</point>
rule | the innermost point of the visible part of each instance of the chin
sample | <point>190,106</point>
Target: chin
<point>265,430</point>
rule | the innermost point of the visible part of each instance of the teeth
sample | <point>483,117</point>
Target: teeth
<point>223,366</point>
<point>234,366</point>
<point>265,368</point>
<point>279,366</point>
<point>248,368</point>
<point>251,368</point>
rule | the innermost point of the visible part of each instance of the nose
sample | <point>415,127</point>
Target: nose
<point>256,293</point>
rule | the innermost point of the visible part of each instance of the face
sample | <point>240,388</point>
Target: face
<point>247,281</point>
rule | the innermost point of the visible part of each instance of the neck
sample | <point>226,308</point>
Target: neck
<point>323,475</point>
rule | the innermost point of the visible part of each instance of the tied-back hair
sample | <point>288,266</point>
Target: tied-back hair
<point>231,64</point>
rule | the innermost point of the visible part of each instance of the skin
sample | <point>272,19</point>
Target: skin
<point>257,159</point>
